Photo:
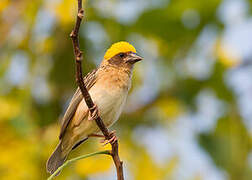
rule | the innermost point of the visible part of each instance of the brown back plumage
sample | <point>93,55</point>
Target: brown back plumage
<point>89,81</point>
<point>58,157</point>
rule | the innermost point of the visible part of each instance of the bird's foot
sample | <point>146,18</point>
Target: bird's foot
<point>112,139</point>
<point>94,114</point>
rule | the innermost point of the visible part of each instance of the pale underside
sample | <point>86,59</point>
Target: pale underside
<point>109,93</point>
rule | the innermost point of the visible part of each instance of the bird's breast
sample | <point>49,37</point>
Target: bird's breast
<point>110,93</point>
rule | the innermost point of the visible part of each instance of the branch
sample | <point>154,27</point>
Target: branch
<point>78,59</point>
<point>76,159</point>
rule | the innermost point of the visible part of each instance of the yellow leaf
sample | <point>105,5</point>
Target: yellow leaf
<point>93,165</point>
<point>146,169</point>
<point>227,56</point>
<point>170,107</point>
<point>17,156</point>
<point>8,108</point>
<point>66,11</point>
<point>4,4</point>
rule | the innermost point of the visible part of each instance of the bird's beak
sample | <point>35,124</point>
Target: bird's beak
<point>133,58</point>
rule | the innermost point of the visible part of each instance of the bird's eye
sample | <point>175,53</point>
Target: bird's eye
<point>121,55</point>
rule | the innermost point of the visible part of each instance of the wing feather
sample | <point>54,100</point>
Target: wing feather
<point>89,81</point>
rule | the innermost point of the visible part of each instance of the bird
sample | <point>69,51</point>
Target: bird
<point>108,86</point>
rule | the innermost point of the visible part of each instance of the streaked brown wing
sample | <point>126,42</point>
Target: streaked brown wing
<point>89,81</point>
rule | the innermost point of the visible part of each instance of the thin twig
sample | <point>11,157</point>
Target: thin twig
<point>76,159</point>
<point>78,59</point>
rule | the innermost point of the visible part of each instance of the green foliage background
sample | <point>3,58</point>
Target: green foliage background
<point>188,115</point>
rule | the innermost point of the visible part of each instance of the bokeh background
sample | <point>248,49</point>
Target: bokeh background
<point>189,113</point>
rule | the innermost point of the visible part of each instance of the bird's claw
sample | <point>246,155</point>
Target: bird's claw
<point>112,140</point>
<point>93,115</point>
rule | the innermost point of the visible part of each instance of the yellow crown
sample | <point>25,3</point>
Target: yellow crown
<point>119,47</point>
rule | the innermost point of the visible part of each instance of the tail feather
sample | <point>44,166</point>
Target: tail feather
<point>55,160</point>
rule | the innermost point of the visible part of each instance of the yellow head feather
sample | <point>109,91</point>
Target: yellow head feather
<point>119,47</point>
